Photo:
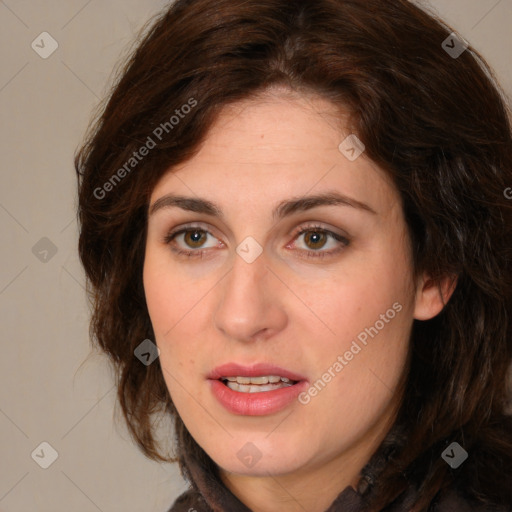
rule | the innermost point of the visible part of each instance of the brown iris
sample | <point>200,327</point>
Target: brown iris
<point>192,235</point>
<point>319,238</point>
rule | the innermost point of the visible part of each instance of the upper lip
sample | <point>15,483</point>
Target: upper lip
<point>255,370</point>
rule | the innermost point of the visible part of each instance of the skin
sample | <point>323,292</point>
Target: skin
<point>299,313</point>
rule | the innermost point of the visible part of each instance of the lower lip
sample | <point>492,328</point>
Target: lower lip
<point>256,404</point>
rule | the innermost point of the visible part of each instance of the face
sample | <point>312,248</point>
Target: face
<point>247,271</point>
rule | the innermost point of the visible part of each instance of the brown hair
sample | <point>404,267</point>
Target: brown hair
<point>438,124</point>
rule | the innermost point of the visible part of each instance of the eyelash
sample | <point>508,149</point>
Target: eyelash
<point>305,229</point>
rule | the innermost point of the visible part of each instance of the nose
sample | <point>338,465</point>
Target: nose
<point>250,305</point>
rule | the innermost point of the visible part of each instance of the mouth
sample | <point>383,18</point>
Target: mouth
<point>256,390</point>
<point>257,384</point>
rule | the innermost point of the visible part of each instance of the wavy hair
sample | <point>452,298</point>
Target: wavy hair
<point>437,123</point>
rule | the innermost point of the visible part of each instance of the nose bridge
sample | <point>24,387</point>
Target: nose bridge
<point>248,271</point>
<point>249,304</point>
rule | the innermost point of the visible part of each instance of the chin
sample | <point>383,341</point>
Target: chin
<point>260,457</point>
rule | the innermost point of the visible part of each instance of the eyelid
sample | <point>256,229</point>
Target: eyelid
<point>311,226</point>
<point>168,237</point>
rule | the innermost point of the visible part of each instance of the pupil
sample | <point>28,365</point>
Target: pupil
<point>316,236</point>
<point>195,236</point>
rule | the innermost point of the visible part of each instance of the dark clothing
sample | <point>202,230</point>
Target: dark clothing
<point>348,501</point>
<point>208,493</point>
<point>213,496</point>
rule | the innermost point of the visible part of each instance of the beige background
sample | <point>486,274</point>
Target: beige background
<point>50,389</point>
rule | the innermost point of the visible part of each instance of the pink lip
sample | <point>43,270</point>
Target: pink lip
<point>256,370</point>
<point>255,404</point>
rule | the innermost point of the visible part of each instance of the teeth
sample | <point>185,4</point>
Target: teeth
<point>243,388</point>
<point>265,379</point>
<point>256,384</point>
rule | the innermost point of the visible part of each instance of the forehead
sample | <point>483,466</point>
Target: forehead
<point>297,122</point>
<point>279,144</point>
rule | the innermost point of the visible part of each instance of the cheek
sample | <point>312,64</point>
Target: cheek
<point>177,309</point>
<point>160,298</point>
<point>355,299</point>
<point>356,377</point>
<point>166,307</point>
<point>168,295</point>
<point>369,311</point>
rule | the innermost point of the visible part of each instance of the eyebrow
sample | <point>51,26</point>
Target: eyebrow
<point>283,209</point>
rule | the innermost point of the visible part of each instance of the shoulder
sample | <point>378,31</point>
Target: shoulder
<point>189,501</point>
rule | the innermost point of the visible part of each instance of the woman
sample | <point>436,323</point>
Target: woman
<point>298,242</point>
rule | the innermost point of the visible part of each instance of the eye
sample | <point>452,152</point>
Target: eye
<point>193,237</point>
<point>316,238</point>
